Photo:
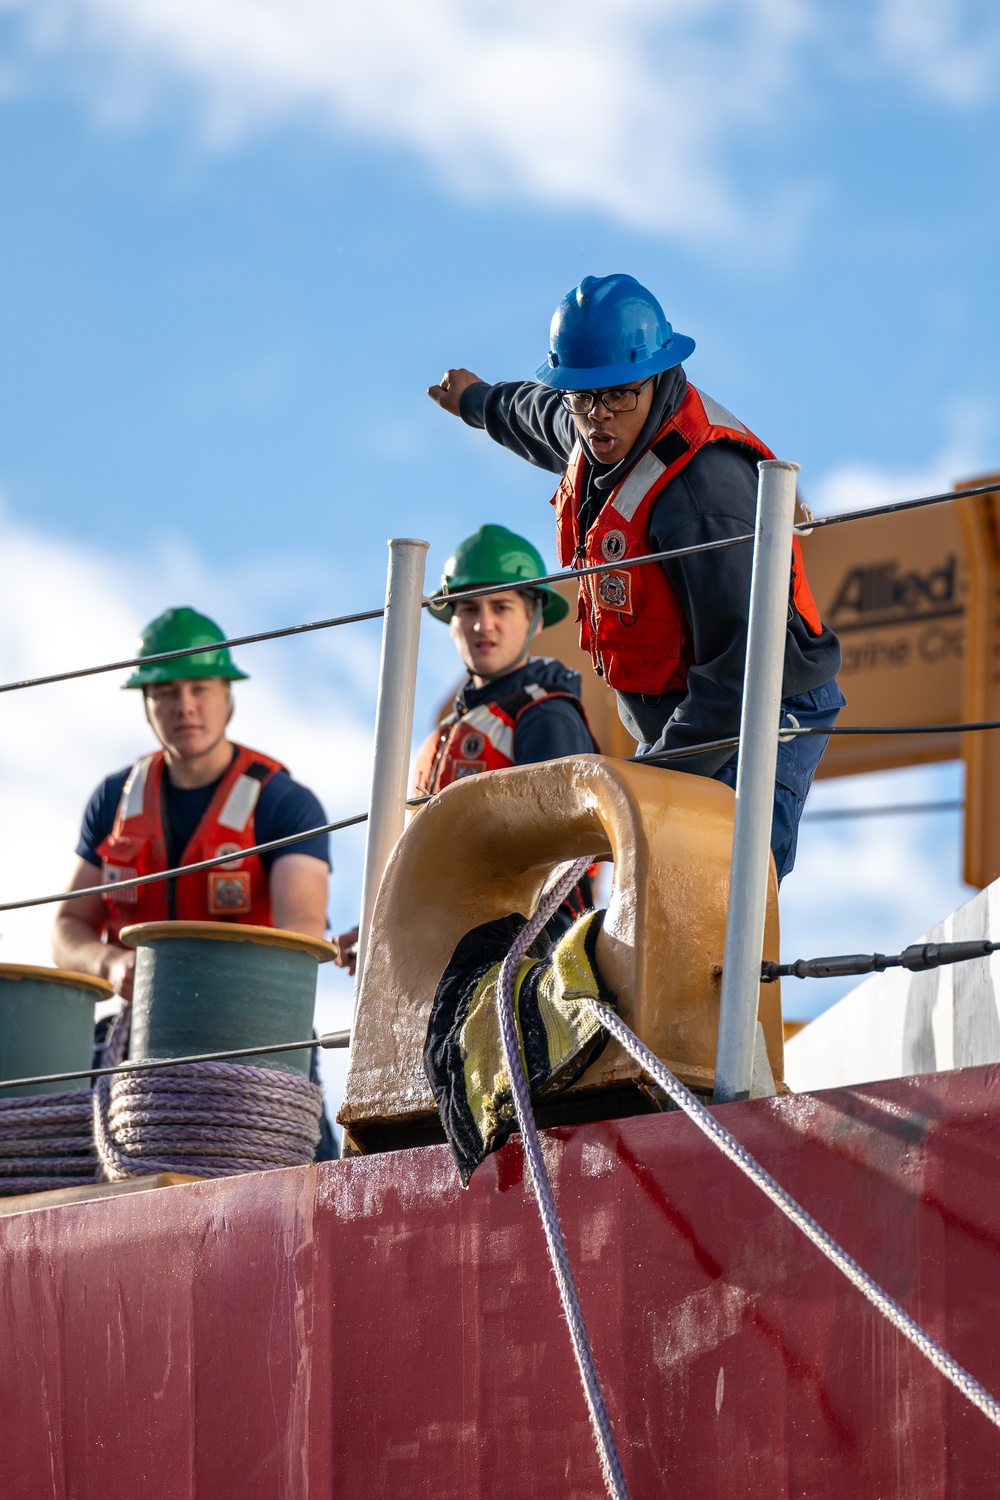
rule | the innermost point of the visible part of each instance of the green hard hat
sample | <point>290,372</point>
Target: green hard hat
<point>496,555</point>
<point>172,631</point>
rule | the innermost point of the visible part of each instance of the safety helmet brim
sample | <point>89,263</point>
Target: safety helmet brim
<point>186,669</point>
<point>674,352</point>
<point>554,606</point>
<point>497,558</point>
<point>182,629</point>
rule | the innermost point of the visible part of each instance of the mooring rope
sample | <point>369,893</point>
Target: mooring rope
<point>46,1141</point>
<point>600,1421</point>
<point>206,1120</point>
<point>727,1143</point>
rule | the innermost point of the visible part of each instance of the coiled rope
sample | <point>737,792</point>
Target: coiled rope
<point>46,1141</point>
<point>727,1143</point>
<point>207,1120</point>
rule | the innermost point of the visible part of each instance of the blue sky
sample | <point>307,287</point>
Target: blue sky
<point>237,241</point>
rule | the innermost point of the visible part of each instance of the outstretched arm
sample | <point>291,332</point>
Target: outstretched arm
<point>448,394</point>
<point>521,415</point>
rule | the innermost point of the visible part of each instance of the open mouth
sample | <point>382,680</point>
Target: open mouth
<point>601,442</point>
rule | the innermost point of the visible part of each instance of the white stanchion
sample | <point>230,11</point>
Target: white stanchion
<point>758,752</point>
<point>393,722</point>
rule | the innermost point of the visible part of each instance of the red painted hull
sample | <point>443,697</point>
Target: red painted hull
<point>367,1329</point>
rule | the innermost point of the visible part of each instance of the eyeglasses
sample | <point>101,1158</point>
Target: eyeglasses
<point>621,398</point>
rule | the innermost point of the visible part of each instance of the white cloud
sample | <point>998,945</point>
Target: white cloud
<point>969,440</point>
<point>632,110</point>
<point>949,49</point>
<point>623,109</point>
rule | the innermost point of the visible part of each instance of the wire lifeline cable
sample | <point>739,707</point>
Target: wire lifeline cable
<point>891,507</point>
<point>567,575</point>
<point>918,958</point>
<point>604,1437</point>
<point>790,733</point>
<point>971,727</point>
<point>329,1039</point>
<point>113,886</point>
<point>236,640</point>
<point>564,576</point>
<point>884,810</point>
<point>681,752</point>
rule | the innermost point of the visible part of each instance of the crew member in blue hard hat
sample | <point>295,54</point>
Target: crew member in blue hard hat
<point>200,794</point>
<point>649,463</point>
<point>515,709</point>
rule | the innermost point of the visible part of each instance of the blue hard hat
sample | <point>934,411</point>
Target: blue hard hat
<point>609,331</point>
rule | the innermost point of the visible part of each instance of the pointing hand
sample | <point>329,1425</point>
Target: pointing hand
<point>449,393</point>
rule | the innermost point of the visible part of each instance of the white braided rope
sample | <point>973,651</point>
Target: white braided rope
<point>730,1146</point>
<point>604,1436</point>
<point>727,1143</point>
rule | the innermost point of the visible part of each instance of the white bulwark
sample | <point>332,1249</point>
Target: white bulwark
<point>897,1023</point>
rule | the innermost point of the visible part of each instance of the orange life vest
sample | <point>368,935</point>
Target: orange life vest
<point>136,845</point>
<point>631,619</point>
<point>480,740</point>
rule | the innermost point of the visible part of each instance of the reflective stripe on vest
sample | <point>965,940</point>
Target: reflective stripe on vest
<point>130,804</point>
<point>136,845</point>
<point>480,740</point>
<point>240,803</point>
<point>631,619</point>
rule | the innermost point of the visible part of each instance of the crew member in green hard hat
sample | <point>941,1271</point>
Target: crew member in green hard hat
<point>649,463</point>
<point>515,709</point>
<point>199,795</point>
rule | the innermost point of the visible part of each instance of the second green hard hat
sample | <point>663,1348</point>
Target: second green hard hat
<point>496,555</point>
<point>173,631</point>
